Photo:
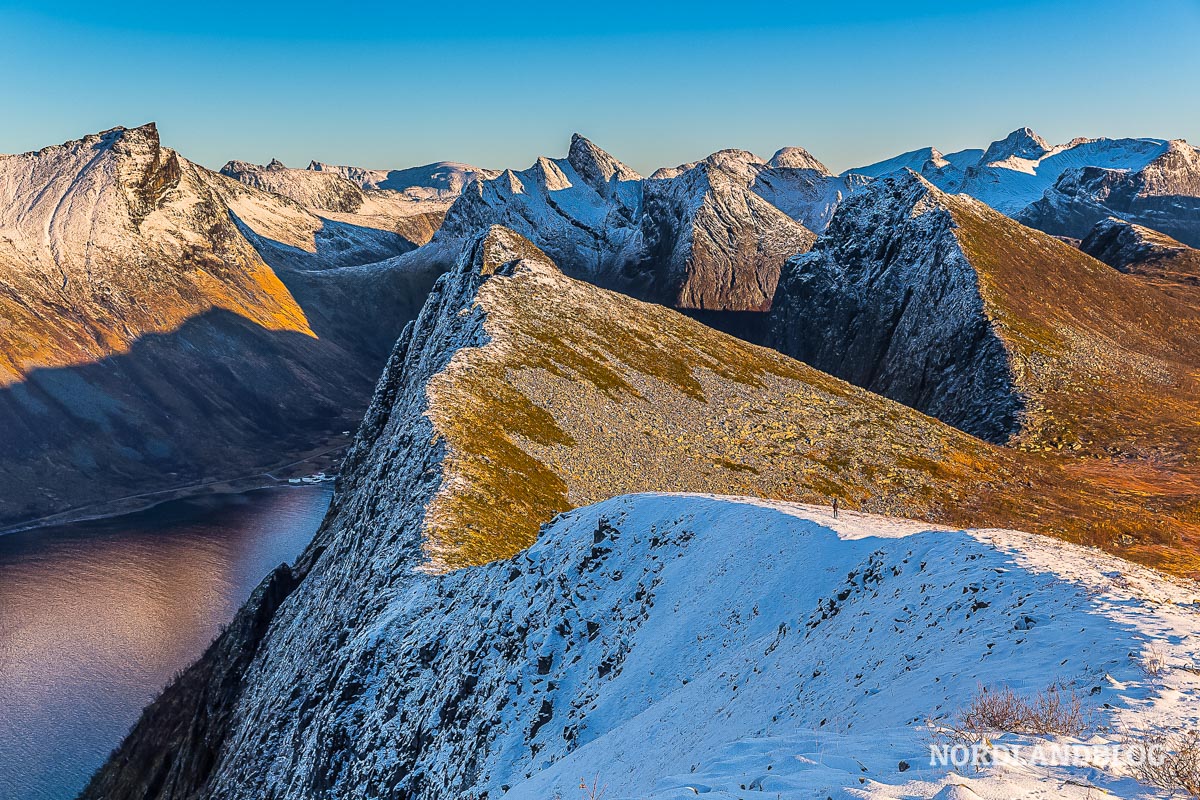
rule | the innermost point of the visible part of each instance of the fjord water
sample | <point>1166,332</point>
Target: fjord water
<point>96,617</point>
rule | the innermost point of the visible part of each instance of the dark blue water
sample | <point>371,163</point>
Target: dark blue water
<point>96,617</point>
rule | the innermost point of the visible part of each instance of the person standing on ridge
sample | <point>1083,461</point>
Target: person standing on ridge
<point>835,507</point>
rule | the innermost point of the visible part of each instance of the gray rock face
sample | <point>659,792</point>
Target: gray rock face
<point>700,238</point>
<point>1135,249</point>
<point>1021,143</point>
<point>888,300</point>
<point>1164,196</point>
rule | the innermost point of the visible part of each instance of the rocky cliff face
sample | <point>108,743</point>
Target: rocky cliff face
<point>889,301</point>
<point>697,239</point>
<point>415,651</point>
<point>1136,249</point>
<point>1163,195</point>
<point>148,344</point>
<point>943,304</point>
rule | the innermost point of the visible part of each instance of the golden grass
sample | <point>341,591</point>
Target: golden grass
<point>582,394</point>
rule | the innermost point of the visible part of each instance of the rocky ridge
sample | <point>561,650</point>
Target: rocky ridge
<point>1140,250</point>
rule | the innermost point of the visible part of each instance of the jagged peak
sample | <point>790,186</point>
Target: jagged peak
<point>276,164</point>
<point>594,164</point>
<point>1021,143</point>
<point>551,175</point>
<point>797,158</point>
<point>234,168</point>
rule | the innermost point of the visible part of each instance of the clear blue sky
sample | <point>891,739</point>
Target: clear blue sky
<point>397,84</point>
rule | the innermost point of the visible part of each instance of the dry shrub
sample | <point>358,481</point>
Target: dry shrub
<point>1169,761</point>
<point>595,791</point>
<point>1153,662</point>
<point>1054,710</point>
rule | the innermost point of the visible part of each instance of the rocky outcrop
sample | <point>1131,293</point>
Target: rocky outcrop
<point>712,243</point>
<point>697,239</point>
<point>1022,143</point>
<point>1163,195</point>
<point>1139,250</point>
<point>166,325</point>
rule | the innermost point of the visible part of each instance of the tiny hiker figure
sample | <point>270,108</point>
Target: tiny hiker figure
<point>835,501</point>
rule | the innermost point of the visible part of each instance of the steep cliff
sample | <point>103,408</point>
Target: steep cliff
<point>943,304</point>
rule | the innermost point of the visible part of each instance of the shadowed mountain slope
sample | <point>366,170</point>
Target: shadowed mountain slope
<point>146,342</point>
<point>1141,251</point>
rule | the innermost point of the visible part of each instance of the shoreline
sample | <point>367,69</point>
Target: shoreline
<point>130,504</point>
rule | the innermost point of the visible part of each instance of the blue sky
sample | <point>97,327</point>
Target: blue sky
<point>496,84</point>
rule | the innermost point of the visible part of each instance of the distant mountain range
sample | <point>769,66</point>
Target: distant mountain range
<point>115,251</point>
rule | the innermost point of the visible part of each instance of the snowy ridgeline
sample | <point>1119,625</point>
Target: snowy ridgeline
<point>675,645</point>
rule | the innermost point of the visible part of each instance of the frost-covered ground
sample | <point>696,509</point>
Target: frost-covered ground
<point>784,653</point>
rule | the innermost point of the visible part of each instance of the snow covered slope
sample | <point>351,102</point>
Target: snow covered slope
<point>163,324</point>
<point>793,180</point>
<point>444,180</point>
<point>674,645</point>
<point>1017,170</point>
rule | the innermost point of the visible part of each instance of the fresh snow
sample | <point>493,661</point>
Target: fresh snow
<point>799,654</point>
<point>675,645</point>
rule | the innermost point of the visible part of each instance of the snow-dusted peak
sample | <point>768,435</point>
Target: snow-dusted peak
<point>595,165</point>
<point>276,164</point>
<point>1021,143</point>
<point>797,158</point>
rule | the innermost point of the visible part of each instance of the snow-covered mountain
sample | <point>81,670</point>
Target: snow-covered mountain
<point>443,180</point>
<point>648,643</point>
<point>1133,248</point>
<point>164,324</point>
<point>1150,181</point>
<point>1161,193</point>
<point>698,239</point>
<point>946,305</point>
